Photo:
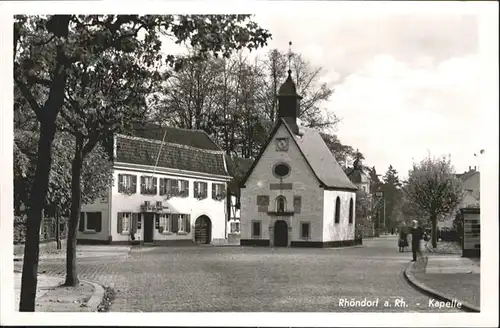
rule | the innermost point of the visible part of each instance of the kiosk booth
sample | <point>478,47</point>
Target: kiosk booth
<point>471,242</point>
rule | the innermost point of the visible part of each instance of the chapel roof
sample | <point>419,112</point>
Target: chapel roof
<point>288,88</point>
<point>318,156</point>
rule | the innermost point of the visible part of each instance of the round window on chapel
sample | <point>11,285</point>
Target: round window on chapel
<point>281,170</point>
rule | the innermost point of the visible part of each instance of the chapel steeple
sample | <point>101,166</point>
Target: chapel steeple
<point>289,100</point>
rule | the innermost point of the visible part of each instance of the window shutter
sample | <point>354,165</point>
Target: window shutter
<point>195,189</point>
<point>214,187</point>
<point>120,183</point>
<point>134,184</point>
<point>133,226</point>
<point>205,190</point>
<point>186,188</point>
<point>119,224</point>
<point>169,185</point>
<point>175,187</point>
<point>175,223</point>
<point>162,186</point>
<point>81,224</point>
<point>188,223</point>
<point>155,185</point>
<point>351,211</point>
<point>143,181</point>
<point>99,226</point>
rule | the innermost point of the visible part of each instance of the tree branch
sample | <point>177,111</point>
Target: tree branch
<point>28,96</point>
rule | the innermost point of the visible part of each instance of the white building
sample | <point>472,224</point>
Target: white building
<point>471,181</point>
<point>358,177</point>
<point>167,191</point>
<point>295,193</point>
<point>234,224</point>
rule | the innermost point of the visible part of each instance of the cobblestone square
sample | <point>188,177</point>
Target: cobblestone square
<point>254,279</point>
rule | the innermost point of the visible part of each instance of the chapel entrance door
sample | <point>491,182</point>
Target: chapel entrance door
<point>280,234</point>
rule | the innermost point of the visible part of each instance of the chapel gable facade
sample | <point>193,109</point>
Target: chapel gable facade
<point>295,193</point>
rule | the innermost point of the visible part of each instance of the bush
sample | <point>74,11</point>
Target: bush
<point>47,229</point>
<point>449,235</point>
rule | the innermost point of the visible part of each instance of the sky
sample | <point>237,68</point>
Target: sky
<point>407,78</point>
<point>406,85</point>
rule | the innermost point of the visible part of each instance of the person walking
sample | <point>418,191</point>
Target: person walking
<point>403,240</point>
<point>416,236</point>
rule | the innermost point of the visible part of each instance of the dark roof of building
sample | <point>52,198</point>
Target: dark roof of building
<point>466,175</point>
<point>187,150</point>
<point>288,88</point>
<point>356,175</point>
<point>317,155</point>
<point>193,138</point>
<point>237,167</point>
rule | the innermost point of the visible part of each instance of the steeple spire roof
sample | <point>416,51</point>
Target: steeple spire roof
<point>288,88</point>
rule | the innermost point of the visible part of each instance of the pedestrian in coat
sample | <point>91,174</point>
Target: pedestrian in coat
<point>416,236</point>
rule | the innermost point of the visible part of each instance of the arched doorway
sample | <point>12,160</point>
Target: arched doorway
<point>280,234</point>
<point>203,230</point>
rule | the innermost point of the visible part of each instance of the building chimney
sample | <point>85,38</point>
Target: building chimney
<point>474,167</point>
<point>470,168</point>
<point>289,103</point>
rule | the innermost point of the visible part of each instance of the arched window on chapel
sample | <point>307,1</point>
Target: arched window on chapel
<point>351,211</point>
<point>337,210</point>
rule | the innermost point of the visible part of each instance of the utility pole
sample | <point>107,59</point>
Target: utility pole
<point>58,237</point>
<point>380,195</point>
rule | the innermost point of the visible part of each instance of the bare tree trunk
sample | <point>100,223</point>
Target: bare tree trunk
<point>37,202</point>
<point>434,231</point>
<point>76,171</point>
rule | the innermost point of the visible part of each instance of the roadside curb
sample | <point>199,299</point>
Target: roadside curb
<point>345,247</point>
<point>433,293</point>
<point>97,296</point>
<point>95,299</point>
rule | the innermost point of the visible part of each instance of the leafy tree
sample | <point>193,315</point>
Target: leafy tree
<point>392,195</point>
<point>47,48</point>
<point>363,207</point>
<point>306,77</point>
<point>96,173</point>
<point>344,154</point>
<point>105,95</point>
<point>434,190</point>
<point>375,182</point>
<point>234,99</point>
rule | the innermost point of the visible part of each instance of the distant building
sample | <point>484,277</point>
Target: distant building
<point>362,181</point>
<point>295,193</point>
<point>164,192</point>
<point>471,184</point>
<point>358,176</point>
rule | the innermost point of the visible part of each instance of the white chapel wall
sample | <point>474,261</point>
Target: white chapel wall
<point>304,182</point>
<point>343,230</point>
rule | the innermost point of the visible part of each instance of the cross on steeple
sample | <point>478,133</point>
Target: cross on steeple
<point>290,54</point>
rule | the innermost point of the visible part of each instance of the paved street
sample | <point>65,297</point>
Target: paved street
<point>253,279</point>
